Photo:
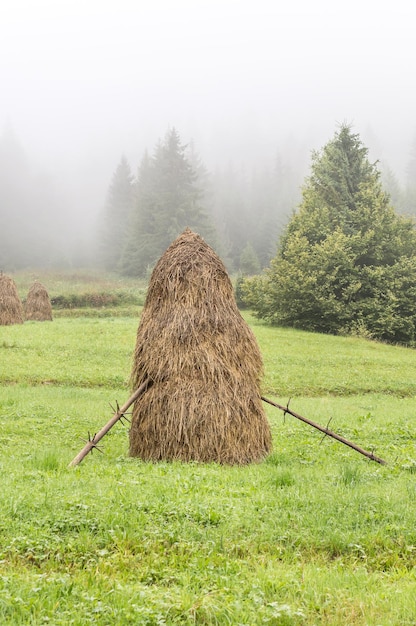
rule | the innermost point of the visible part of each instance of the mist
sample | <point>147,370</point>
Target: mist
<point>83,83</point>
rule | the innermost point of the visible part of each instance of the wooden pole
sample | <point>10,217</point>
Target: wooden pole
<point>328,432</point>
<point>92,443</point>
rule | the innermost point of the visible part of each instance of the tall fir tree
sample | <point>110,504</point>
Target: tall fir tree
<point>168,201</point>
<point>346,262</point>
<point>115,216</point>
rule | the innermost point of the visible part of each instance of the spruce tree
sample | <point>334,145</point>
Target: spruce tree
<point>346,263</point>
<point>115,216</point>
<point>168,201</point>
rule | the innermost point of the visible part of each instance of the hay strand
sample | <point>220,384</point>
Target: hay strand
<point>11,308</point>
<point>38,305</point>
<point>204,404</point>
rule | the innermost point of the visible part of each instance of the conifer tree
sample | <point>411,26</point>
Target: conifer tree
<point>168,201</point>
<point>116,214</point>
<point>346,262</point>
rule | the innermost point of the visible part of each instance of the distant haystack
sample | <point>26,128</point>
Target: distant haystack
<point>204,363</point>
<point>38,305</point>
<point>11,309</point>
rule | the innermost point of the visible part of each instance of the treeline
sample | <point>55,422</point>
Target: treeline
<point>240,210</point>
<point>37,228</point>
<point>26,225</point>
<point>242,215</point>
<point>239,214</point>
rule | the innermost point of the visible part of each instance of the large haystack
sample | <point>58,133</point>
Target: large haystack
<point>11,308</point>
<point>204,403</point>
<point>38,305</point>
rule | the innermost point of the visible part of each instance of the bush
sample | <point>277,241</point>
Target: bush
<point>97,300</point>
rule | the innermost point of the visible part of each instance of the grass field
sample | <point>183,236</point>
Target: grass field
<point>316,534</point>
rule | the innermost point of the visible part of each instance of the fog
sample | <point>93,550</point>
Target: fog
<point>85,82</point>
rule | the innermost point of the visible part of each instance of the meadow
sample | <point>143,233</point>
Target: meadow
<point>315,534</point>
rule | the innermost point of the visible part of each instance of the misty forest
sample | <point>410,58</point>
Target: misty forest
<point>332,250</point>
<point>240,210</point>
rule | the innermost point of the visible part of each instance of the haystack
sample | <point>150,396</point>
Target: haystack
<point>38,305</point>
<point>11,308</point>
<point>204,363</point>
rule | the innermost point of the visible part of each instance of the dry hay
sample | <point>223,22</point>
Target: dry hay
<point>38,305</point>
<point>11,308</point>
<point>204,403</point>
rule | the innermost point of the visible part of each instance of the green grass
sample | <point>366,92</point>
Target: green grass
<point>75,282</point>
<point>81,293</point>
<point>316,534</point>
<point>86,352</point>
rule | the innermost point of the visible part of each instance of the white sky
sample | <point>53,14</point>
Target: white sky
<point>83,81</point>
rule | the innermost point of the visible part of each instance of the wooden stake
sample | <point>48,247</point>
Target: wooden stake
<point>92,443</point>
<point>328,432</point>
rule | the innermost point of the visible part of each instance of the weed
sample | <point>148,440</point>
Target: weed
<point>350,475</point>
<point>46,461</point>
<point>283,478</point>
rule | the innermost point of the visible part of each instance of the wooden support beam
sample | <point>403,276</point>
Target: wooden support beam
<point>119,414</point>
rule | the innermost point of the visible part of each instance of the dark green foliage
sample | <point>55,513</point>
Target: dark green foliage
<point>168,201</point>
<point>95,300</point>
<point>346,263</point>
<point>239,292</point>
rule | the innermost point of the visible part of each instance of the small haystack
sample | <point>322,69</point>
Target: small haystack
<point>204,403</point>
<point>38,305</point>
<point>11,308</point>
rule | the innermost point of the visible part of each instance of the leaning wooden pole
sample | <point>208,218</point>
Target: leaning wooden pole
<point>328,432</point>
<point>119,414</point>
